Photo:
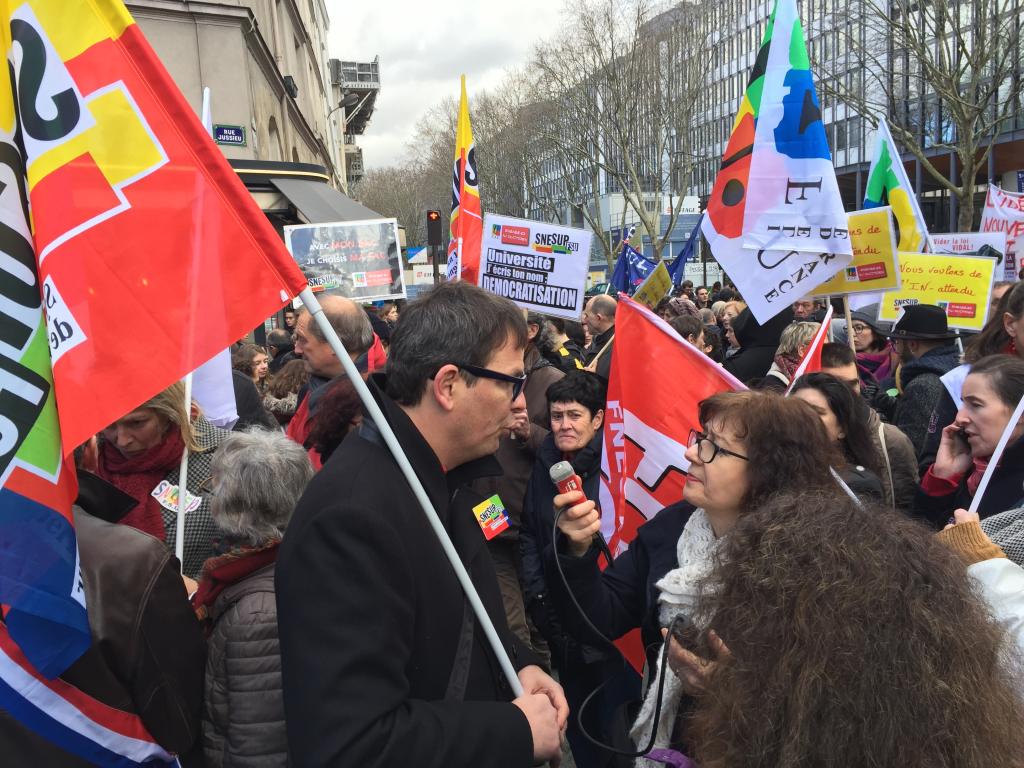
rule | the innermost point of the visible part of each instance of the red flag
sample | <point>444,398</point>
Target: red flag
<point>657,381</point>
<point>811,362</point>
<point>153,256</point>
<point>467,215</point>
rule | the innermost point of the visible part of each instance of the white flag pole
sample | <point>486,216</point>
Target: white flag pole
<point>997,454</point>
<point>179,523</point>
<point>311,304</point>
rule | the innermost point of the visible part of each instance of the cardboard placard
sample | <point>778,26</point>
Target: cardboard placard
<point>875,266</point>
<point>961,285</point>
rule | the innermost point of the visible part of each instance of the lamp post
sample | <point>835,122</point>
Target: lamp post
<point>347,100</point>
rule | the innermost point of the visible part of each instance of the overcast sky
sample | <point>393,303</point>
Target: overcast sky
<point>424,47</point>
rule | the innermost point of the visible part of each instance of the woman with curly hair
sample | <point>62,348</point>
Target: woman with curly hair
<point>254,362</point>
<point>848,637</point>
<point>281,397</point>
<point>751,446</point>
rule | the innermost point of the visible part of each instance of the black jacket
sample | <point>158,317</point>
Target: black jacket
<point>758,344</point>
<point>921,391</point>
<point>624,595</point>
<point>1005,491</point>
<point>538,512</point>
<point>371,615</point>
<point>604,364</point>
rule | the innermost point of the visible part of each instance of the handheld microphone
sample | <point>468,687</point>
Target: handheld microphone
<point>566,480</point>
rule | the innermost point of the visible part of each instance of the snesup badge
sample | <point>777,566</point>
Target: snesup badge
<point>491,516</point>
<point>167,495</point>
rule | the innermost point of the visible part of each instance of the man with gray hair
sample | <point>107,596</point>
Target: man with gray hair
<point>353,328</point>
<point>384,663</point>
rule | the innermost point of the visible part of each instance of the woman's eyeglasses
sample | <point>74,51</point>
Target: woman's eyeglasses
<point>708,449</point>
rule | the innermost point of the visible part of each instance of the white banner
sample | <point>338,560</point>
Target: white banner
<point>1004,213</point>
<point>991,244</point>
<point>537,265</point>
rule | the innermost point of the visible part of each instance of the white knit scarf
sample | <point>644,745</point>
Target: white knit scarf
<point>678,594</point>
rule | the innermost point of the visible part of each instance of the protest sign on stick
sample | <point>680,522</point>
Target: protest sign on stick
<point>357,259</point>
<point>653,289</point>
<point>875,266</point>
<point>540,266</point>
<point>991,244</point>
<point>1004,212</point>
<point>960,285</point>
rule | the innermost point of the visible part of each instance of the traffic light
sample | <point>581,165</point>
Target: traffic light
<point>434,228</point>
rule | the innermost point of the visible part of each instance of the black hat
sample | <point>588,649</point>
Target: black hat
<point>922,321</point>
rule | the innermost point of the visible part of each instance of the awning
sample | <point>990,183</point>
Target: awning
<point>317,202</point>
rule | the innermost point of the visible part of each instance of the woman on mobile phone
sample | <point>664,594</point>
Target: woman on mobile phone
<point>991,392</point>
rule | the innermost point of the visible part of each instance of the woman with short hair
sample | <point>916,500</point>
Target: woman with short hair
<point>793,344</point>
<point>258,477</point>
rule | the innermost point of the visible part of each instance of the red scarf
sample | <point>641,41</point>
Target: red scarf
<point>224,570</point>
<point>139,475</point>
<point>787,365</point>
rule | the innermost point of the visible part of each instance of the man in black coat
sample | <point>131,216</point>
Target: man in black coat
<point>383,661</point>
<point>599,317</point>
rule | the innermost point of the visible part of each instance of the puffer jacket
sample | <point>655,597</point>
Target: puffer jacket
<point>243,713</point>
<point>899,463</point>
<point>921,390</point>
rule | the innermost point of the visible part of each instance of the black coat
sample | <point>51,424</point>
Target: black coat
<point>370,616</point>
<point>1005,491</point>
<point>758,344</point>
<point>604,363</point>
<point>624,595</point>
<point>538,512</point>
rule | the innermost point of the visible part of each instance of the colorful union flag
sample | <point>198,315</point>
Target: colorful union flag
<point>775,219</point>
<point>888,185</point>
<point>133,254</point>
<point>467,214</point>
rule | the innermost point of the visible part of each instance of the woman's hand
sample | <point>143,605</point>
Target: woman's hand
<point>962,516</point>
<point>953,458</point>
<point>693,671</point>
<point>579,522</point>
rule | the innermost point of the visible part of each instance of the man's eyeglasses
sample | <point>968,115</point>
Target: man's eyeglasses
<point>517,382</point>
<point>708,449</point>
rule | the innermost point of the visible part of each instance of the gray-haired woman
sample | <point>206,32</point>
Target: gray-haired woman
<point>257,478</point>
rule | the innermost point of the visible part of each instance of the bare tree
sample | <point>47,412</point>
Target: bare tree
<point>397,191</point>
<point>628,83</point>
<point>945,73</point>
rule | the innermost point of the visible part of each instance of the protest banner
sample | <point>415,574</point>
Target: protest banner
<point>357,259</point>
<point>537,265</point>
<point>875,266</point>
<point>991,244</point>
<point>464,245</point>
<point>961,285</point>
<point>631,269</point>
<point>653,289</point>
<point>887,184</point>
<point>775,219</point>
<point>1004,212</point>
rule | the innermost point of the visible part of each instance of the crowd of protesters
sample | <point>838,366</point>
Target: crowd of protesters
<point>819,596</point>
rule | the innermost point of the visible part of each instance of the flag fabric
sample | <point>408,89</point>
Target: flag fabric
<point>145,257</point>
<point>888,185</point>
<point>811,362</point>
<point>647,425</point>
<point>678,269</point>
<point>775,219</point>
<point>467,213</point>
<point>631,270</point>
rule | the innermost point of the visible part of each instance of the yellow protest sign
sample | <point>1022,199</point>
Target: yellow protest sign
<point>961,285</point>
<point>874,266</point>
<point>653,289</point>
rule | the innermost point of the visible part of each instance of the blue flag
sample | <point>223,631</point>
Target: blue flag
<point>678,269</point>
<point>630,270</point>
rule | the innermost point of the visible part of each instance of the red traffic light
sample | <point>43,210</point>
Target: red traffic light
<point>434,236</point>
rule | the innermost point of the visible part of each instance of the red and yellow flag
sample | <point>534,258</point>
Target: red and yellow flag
<point>131,254</point>
<point>467,215</point>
